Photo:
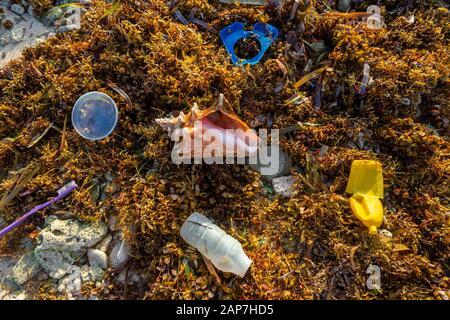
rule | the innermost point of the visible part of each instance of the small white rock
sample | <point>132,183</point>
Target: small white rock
<point>104,244</point>
<point>42,276</point>
<point>405,101</point>
<point>18,9</point>
<point>17,34</point>
<point>67,28</point>
<point>386,233</point>
<point>3,292</point>
<point>41,39</point>
<point>98,258</point>
<point>132,277</point>
<point>21,296</point>
<point>443,295</point>
<point>18,295</point>
<point>71,284</point>
<point>91,273</point>
<point>4,40</point>
<point>284,185</point>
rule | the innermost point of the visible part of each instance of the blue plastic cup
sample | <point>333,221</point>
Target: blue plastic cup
<point>94,115</point>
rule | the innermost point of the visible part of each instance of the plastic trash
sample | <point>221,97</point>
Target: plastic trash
<point>94,115</point>
<point>368,210</point>
<point>264,33</point>
<point>225,252</point>
<point>366,185</point>
<point>252,2</point>
<point>365,79</point>
<point>366,177</point>
<point>180,17</point>
<point>294,9</point>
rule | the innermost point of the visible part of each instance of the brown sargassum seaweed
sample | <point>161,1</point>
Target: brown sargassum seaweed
<point>307,247</point>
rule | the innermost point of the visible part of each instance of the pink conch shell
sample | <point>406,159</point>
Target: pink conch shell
<point>240,141</point>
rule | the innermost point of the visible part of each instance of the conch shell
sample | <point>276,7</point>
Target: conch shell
<point>231,136</point>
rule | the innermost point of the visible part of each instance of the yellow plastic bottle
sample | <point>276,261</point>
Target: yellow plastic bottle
<point>366,185</point>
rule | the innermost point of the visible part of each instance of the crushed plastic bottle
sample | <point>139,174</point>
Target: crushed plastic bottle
<point>366,185</point>
<point>225,252</point>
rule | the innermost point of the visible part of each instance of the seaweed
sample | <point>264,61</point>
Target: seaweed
<point>309,246</point>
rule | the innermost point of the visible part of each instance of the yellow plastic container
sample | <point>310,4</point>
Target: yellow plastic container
<point>366,177</point>
<point>366,185</point>
<point>369,210</point>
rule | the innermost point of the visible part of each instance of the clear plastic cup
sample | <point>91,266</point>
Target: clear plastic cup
<point>95,115</point>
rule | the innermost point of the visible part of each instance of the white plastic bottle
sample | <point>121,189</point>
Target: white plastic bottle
<point>225,252</point>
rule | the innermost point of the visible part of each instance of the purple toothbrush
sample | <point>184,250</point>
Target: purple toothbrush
<point>62,192</point>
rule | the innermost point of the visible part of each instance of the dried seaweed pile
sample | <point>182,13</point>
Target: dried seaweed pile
<point>307,247</point>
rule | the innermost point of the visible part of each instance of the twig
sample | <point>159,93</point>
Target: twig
<point>211,269</point>
<point>63,135</point>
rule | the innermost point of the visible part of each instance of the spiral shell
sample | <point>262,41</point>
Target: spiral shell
<point>232,135</point>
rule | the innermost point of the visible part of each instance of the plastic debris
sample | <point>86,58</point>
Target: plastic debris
<point>180,17</point>
<point>201,23</point>
<point>252,2</point>
<point>120,253</point>
<point>292,40</point>
<point>225,252</point>
<point>348,15</point>
<point>284,186</point>
<point>366,185</point>
<point>318,93</point>
<point>310,76</point>
<point>375,20</point>
<point>294,9</point>
<point>63,192</point>
<point>264,33</point>
<point>95,115</point>
<point>366,177</point>
<point>365,79</point>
